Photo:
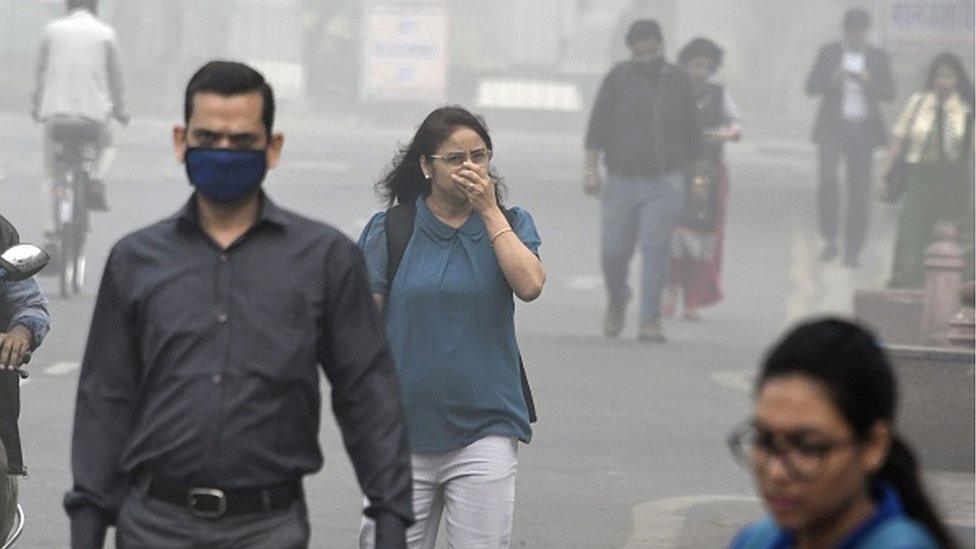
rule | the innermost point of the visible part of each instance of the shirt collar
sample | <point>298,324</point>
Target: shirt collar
<point>269,212</point>
<point>442,233</point>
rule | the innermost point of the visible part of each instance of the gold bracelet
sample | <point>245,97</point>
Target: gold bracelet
<point>499,233</point>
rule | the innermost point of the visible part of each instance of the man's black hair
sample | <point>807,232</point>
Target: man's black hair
<point>228,78</point>
<point>701,47</point>
<point>642,29</point>
<point>90,5</point>
<point>857,19</point>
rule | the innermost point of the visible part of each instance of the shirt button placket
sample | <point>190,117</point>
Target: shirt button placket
<point>222,285</point>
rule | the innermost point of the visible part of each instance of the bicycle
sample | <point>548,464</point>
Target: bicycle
<point>76,140</point>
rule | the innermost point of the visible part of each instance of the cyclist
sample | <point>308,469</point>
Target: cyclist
<point>79,82</point>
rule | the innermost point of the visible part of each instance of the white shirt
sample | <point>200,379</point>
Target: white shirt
<point>855,107</point>
<point>78,70</point>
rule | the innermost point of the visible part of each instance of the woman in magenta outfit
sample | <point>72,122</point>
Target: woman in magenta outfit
<point>696,260</point>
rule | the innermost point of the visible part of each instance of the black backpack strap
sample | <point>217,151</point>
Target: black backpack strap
<point>399,228</point>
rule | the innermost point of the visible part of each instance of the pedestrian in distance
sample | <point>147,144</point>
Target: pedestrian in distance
<point>644,126</point>
<point>851,77</point>
<point>696,260</point>
<point>198,403</point>
<point>444,262</point>
<point>933,139</point>
<point>824,447</point>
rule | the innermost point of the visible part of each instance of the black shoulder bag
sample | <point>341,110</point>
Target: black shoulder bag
<point>399,228</point>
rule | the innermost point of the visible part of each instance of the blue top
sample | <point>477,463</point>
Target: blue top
<point>451,329</point>
<point>888,528</point>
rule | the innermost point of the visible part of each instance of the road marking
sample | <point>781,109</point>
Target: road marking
<point>658,523</point>
<point>62,368</point>
<point>586,283</point>
<point>799,302</point>
<point>740,380</point>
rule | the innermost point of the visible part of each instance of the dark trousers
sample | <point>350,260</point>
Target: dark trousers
<point>147,523</point>
<point>854,143</point>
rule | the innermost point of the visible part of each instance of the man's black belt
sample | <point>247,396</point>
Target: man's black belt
<point>210,502</point>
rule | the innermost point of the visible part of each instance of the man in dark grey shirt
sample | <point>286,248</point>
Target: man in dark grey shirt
<point>198,405</point>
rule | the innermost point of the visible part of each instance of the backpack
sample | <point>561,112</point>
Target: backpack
<point>399,228</point>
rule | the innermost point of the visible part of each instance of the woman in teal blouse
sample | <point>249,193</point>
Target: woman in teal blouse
<point>824,449</point>
<point>449,311</point>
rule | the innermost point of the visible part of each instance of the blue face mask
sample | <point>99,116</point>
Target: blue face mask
<point>225,175</point>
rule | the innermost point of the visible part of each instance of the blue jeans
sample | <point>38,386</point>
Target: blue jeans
<point>632,209</point>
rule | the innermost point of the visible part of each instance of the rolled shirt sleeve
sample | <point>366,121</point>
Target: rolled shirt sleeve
<point>29,308</point>
<point>524,227</point>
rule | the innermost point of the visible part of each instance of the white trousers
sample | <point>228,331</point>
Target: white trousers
<point>474,488</point>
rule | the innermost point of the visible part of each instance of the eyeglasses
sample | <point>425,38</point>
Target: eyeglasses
<point>456,160</point>
<point>803,458</point>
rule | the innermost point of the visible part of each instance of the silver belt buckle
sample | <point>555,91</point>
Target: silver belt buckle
<point>210,497</point>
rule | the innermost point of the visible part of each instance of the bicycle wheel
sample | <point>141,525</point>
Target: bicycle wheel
<point>78,257</point>
<point>67,259</point>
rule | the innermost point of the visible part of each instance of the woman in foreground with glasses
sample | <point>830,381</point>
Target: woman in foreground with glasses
<point>822,445</point>
<point>443,264</point>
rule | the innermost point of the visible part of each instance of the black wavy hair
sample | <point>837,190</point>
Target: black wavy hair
<point>701,47</point>
<point>405,181</point>
<point>857,18</point>
<point>964,85</point>
<point>642,29</point>
<point>228,78</point>
<point>847,362</point>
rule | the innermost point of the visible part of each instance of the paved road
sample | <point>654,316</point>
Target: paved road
<point>629,451</point>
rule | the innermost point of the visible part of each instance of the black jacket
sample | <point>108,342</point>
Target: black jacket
<point>821,82</point>
<point>645,120</point>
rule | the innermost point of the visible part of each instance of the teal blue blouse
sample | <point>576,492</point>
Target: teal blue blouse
<point>451,329</point>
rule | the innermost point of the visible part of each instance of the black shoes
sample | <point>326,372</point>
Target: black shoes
<point>651,332</point>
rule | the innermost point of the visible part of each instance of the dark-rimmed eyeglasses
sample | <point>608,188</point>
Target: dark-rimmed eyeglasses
<point>803,457</point>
